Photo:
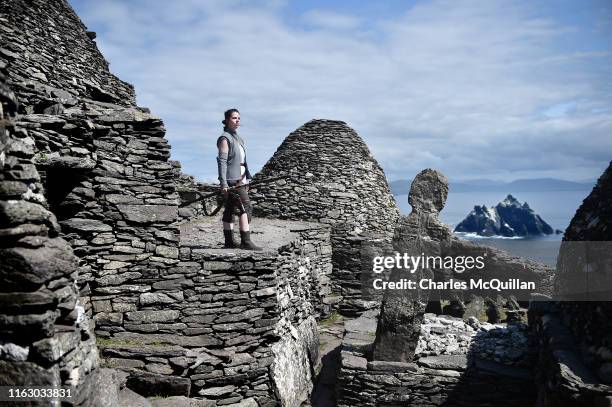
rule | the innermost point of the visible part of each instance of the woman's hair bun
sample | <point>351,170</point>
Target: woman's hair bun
<point>223,121</point>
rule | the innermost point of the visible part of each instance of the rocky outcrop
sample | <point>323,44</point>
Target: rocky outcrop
<point>508,218</point>
<point>328,175</point>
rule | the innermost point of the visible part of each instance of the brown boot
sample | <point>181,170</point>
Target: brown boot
<point>230,243</point>
<point>245,242</point>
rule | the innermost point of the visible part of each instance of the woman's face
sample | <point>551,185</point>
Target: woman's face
<point>233,122</point>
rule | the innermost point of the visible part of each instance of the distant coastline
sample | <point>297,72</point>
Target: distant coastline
<point>401,187</point>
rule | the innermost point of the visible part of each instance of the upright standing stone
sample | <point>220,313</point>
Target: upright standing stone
<point>420,232</point>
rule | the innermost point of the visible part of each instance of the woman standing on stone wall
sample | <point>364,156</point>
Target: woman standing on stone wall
<point>233,177</point>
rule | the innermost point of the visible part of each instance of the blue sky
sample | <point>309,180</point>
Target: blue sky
<point>477,89</point>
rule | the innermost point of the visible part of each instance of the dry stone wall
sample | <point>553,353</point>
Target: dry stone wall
<point>225,326</point>
<point>563,375</point>
<point>192,200</point>
<point>574,337</point>
<point>45,337</point>
<point>104,162</point>
<point>328,175</point>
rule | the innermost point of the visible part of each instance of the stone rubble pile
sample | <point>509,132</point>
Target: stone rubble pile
<point>444,335</point>
<point>463,377</point>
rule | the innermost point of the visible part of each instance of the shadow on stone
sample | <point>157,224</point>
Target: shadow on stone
<point>324,394</point>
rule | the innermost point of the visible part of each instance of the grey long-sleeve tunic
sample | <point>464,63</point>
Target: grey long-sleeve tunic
<point>229,167</point>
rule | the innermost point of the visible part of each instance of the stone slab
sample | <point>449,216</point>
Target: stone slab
<point>444,362</point>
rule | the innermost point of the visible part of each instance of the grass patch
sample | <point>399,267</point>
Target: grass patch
<point>331,320</point>
<point>318,369</point>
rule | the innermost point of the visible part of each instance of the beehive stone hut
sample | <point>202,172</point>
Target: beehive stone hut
<point>328,175</point>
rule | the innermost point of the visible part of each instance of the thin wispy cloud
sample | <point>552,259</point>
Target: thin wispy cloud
<point>330,20</point>
<point>478,88</point>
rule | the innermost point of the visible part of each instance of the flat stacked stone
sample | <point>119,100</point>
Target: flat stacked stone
<point>224,325</point>
<point>45,337</point>
<point>327,174</point>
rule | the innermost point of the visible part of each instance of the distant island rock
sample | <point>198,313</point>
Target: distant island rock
<point>508,218</point>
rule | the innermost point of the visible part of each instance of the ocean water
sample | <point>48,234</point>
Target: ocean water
<point>557,208</point>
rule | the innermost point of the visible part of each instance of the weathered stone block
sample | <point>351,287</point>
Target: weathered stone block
<point>123,363</point>
<point>52,349</point>
<point>167,251</point>
<point>350,361</point>
<point>15,212</point>
<point>159,368</point>
<point>250,315</point>
<point>123,288</point>
<point>109,318</point>
<point>116,279</point>
<point>44,260</point>
<point>217,391</point>
<point>85,225</point>
<point>158,298</point>
<point>264,292</point>
<point>40,298</point>
<point>152,316</point>
<point>452,362</point>
<point>149,213</point>
<point>152,384</point>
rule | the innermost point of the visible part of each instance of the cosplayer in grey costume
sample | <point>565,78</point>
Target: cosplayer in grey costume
<point>230,162</point>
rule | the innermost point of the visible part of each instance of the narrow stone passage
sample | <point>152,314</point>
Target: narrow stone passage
<point>328,365</point>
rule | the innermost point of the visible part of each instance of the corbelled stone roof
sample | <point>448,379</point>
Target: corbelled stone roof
<point>53,60</point>
<point>327,174</point>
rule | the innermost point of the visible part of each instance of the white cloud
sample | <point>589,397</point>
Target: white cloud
<point>461,86</point>
<point>330,20</point>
